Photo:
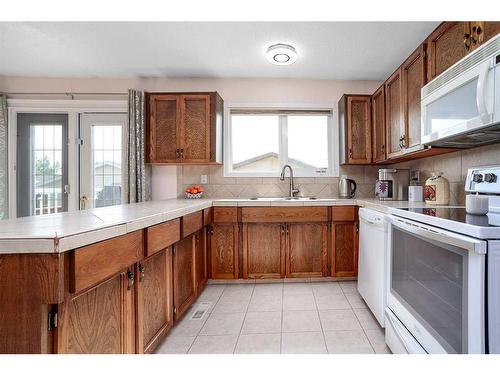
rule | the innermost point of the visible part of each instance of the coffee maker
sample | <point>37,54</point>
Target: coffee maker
<point>392,184</point>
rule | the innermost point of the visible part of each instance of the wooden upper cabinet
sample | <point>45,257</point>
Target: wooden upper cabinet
<point>394,115</point>
<point>184,275</point>
<point>184,128</point>
<point>355,128</point>
<point>100,320</point>
<point>264,250</point>
<point>413,79</point>
<point>164,128</point>
<point>481,32</point>
<point>378,125</point>
<point>306,249</point>
<point>446,45</point>
<point>154,297</point>
<point>195,128</point>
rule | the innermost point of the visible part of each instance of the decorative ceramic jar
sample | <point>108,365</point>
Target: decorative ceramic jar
<point>437,189</point>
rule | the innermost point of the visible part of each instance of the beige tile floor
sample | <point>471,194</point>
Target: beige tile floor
<point>289,318</point>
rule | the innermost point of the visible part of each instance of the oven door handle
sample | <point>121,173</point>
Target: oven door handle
<point>436,234</point>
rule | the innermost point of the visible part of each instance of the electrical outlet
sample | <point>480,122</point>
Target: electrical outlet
<point>203,179</point>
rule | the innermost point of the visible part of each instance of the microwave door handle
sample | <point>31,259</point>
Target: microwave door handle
<point>450,238</point>
<point>481,94</point>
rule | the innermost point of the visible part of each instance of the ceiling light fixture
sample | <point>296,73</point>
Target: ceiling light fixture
<point>281,54</point>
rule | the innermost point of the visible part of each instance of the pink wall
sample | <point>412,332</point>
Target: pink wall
<point>237,90</point>
<point>248,91</point>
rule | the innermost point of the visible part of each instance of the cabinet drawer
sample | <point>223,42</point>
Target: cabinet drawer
<point>225,215</point>
<point>160,236</point>
<point>284,214</point>
<point>344,213</point>
<point>92,264</point>
<point>208,216</point>
<point>192,223</point>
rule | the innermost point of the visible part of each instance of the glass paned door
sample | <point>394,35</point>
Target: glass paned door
<point>42,158</point>
<point>101,159</point>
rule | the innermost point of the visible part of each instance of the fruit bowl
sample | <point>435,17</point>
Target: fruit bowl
<point>194,196</point>
<point>194,192</point>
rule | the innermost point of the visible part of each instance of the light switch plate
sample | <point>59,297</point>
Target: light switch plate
<point>203,179</point>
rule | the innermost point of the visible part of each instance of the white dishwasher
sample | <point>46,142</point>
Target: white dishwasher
<point>372,261</point>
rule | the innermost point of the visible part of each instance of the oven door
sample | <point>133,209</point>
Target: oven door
<point>436,286</point>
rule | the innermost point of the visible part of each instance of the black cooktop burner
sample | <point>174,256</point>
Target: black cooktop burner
<point>458,214</point>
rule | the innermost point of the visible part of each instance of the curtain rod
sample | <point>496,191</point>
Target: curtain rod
<point>71,94</point>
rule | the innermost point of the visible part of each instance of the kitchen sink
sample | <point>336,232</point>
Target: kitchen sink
<point>283,199</point>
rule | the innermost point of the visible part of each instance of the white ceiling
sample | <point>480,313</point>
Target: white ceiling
<point>327,50</point>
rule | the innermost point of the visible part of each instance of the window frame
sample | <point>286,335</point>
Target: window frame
<point>332,137</point>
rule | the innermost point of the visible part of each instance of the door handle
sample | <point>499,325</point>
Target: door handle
<point>481,93</point>
<point>131,279</point>
<point>83,201</point>
<point>142,271</point>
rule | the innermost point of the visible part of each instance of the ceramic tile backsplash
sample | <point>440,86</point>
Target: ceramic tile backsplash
<point>454,167</point>
<point>247,187</point>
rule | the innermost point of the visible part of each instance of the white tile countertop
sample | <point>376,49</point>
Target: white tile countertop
<point>61,232</point>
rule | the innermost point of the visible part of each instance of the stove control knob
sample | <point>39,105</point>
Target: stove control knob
<point>490,177</point>
<point>477,178</point>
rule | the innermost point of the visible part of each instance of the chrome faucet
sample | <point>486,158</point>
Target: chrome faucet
<point>291,191</point>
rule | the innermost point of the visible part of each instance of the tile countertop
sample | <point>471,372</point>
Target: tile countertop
<point>61,232</point>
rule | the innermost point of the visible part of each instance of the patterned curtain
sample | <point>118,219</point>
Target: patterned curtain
<point>139,174</point>
<point>4,198</point>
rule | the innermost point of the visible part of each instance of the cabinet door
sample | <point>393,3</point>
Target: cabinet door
<point>344,249</point>
<point>263,250</point>
<point>491,29</point>
<point>394,115</point>
<point>201,260</point>
<point>100,320</point>
<point>195,128</point>
<point>359,129</point>
<point>306,249</point>
<point>184,275</point>
<point>154,299</point>
<point>482,31</point>
<point>446,46</point>
<point>224,251</point>
<point>378,125</point>
<point>413,79</point>
<point>164,123</point>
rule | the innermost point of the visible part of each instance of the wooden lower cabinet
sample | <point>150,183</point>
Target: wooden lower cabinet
<point>184,275</point>
<point>99,320</point>
<point>344,249</point>
<point>306,249</point>
<point>154,298</point>
<point>264,250</point>
<point>201,260</point>
<point>224,239</point>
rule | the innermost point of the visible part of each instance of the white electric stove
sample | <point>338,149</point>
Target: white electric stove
<point>444,275</point>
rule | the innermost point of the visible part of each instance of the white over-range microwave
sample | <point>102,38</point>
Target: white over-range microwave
<point>461,107</point>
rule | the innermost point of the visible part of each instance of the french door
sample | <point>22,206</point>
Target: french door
<point>42,164</point>
<point>102,156</point>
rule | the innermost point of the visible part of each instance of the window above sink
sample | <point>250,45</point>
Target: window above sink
<point>259,142</point>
